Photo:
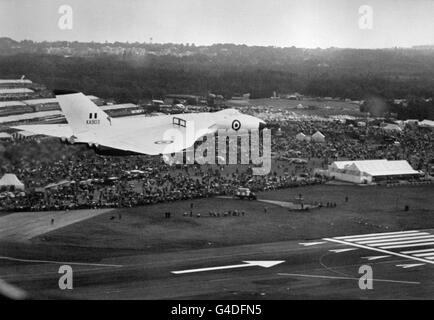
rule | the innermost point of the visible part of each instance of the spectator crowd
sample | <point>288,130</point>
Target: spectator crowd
<point>80,178</point>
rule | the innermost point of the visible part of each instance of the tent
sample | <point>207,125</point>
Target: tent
<point>9,180</point>
<point>21,135</point>
<point>5,136</point>
<point>318,137</point>
<point>392,127</point>
<point>300,136</point>
<point>427,124</point>
<point>369,170</point>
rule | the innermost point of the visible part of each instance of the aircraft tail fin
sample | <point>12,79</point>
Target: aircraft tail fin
<point>80,112</point>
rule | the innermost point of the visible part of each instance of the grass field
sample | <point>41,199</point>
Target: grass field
<point>144,229</point>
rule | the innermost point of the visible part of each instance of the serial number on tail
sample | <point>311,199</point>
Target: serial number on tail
<point>92,121</point>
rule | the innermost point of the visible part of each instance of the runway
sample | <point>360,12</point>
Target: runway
<point>317,269</point>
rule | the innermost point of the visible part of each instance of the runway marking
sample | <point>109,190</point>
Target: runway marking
<point>376,234</point>
<point>410,237</point>
<point>406,266</point>
<point>307,244</point>
<point>375,257</point>
<point>392,237</point>
<point>417,251</point>
<point>264,264</point>
<point>342,250</point>
<point>378,250</point>
<point>383,242</point>
<point>343,278</point>
<point>377,244</point>
<point>60,262</point>
<point>409,245</point>
<point>426,254</point>
<point>11,292</point>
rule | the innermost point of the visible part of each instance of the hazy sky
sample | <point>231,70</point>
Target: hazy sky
<point>302,23</point>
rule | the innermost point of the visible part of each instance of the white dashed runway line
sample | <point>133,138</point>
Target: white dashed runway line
<point>385,242</point>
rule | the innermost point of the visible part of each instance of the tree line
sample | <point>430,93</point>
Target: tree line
<point>231,69</point>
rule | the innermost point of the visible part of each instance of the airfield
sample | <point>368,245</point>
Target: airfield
<point>311,107</point>
<point>136,253</point>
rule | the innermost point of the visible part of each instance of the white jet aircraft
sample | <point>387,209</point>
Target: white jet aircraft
<point>166,134</point>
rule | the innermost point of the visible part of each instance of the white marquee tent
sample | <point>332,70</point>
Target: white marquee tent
<point>11,180</point>
<point>318,137</point>
<point>300,136</point>
<point>366,171</point>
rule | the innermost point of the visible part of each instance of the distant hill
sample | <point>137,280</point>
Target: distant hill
<point>132,71</point>
<point>424,47</point>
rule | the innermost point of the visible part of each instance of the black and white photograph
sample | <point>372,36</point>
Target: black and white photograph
<point>240,152</point>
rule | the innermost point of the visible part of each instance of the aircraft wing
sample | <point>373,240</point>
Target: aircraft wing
<point>168,134</point>
<point>165,134</point>
<point>53,130</point>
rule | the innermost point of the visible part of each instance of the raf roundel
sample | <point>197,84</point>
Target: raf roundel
<point>236,125</point>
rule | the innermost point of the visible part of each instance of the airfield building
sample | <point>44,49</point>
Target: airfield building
<point>15,83</point>
<point>8,108</point>
<point>237,96</point>
<point>24,135</point>
<point>369,171</point>
<point>4,136</point>
<point>125,109</point>
<point>6,93</point>
<point>14,107</point>
<point>427,124</point>
<point>173,99</point>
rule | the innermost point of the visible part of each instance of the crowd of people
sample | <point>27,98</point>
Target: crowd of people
<point>350,142</point>
<point>59,177</point>
<point>86,180</point>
